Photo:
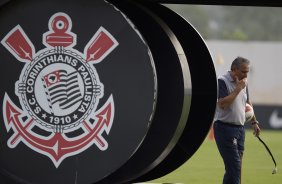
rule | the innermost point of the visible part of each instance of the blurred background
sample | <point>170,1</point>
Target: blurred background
<point>255,33</point>
<point>251,32</point>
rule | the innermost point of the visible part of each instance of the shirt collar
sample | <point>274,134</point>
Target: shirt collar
<point>228,75</point>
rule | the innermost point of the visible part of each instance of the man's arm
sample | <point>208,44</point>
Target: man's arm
<point>226,101</point>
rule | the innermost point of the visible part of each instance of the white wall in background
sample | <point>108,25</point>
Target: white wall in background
<point>265,77</point>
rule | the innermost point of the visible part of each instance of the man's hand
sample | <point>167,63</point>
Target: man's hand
<point>256,129</point>
<point>241,84</point>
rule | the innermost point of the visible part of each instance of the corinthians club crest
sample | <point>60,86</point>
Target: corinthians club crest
<point>59,91</point>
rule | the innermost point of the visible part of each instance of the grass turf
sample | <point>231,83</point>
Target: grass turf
<point>206,165</point>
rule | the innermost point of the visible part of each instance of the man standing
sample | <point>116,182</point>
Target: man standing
<point>229,121</point>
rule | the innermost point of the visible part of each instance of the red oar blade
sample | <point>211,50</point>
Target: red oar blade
<point>101,44</point>
<point>17,42</point>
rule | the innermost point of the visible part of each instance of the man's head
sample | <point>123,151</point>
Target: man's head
<point>240,68</point>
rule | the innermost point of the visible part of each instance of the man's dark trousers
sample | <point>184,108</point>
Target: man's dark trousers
<point>230,141</point>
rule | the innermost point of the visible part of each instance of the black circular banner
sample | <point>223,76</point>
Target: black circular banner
<point>100,91</point>
<point>78,90</point>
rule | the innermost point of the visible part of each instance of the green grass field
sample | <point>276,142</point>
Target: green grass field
<point>206,165</point>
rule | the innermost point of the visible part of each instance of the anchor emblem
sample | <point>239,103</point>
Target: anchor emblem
<point>59,92</point>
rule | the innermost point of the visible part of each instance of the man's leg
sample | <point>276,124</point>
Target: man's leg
<point>227,142</point>
<point>241,147</point>
<point>241,158</point>
<point>232,163</point>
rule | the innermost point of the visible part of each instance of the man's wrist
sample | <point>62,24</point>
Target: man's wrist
<point>254,122</point>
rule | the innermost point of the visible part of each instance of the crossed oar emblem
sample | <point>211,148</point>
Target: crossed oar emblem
<point>57,146</point>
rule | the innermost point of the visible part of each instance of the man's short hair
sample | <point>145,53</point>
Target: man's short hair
<point>238,62</point>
